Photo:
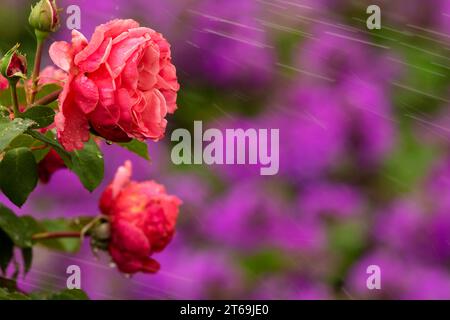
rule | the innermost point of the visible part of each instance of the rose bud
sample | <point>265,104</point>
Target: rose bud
<point>100,236</point>
<point>52,162</point>
<point>142,217</point>
<point>121,84</point>
<point>44,16</point>
<point>13,65</point>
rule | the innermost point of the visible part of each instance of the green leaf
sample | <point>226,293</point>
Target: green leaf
<point>264,262</point>
<point>43,116</point>
<point>11,129</point>
<point>27,256</point>
<point>88,165</point>
<point>30,227</point>
<point>36,146</point>
<point>6,250</point>
<point>407,164</point>
<point>40,154</point>
<point>22,140</point>
<point>138,147</point>
<point>8,284</point>
<point>51,141</point>
<point>18,175</point>
<point>12,295</point>
<point>17,228</point>
<point>69,294</point>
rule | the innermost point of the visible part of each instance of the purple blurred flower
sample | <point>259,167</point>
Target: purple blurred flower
<point>427,283</point>
<point>402,227</point>
<point>445,18</point>
<point>227,45</point>
<point>399,279</point>
<point>93,13</point>
<point>438,186</point>
<point>336,54</point>
<point>312,131</point>
<point>191,188</point>
<point>244,217</point>
<point>161,15</point>
<point>331,200</point>
<point>98,279</point>
<point>370,121</point>
<point>299,236</point>
<point>394,278</point>
<point>233,172</point>
<point>294,288</point>
<point>439,236</point>
<point>415,13</point>
<point>252,217</point>
<point>189,274</point>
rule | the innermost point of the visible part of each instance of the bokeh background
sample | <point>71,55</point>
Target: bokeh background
<point>364,118</point>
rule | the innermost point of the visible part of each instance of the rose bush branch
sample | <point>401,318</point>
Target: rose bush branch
<point>14,99</point>
<point>56,235</point>
<point>44,19</point>
<point>89,227</point>
<point>51,97</point>
<point>36,69</point>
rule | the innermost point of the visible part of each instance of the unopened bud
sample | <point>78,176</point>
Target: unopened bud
<point>44,16</point>
<point>13,65</point>
<point>101,231</point>
<point>100,236</point>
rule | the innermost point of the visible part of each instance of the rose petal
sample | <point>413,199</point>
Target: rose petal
<point>97,58</point>
<point>79,41</point>
<point>130,238</point>
<point>149,115</point>
<point>123,50</point>
<point>111,29</point>
<point>61,54</point>
<point>85,93</point>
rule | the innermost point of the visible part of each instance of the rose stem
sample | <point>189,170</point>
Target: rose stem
<point>56,235</point>
<point>15,101</point>
<point>37,68</point>
<point>47,99</point>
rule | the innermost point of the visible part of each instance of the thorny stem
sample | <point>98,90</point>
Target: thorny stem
<point>37,68</point>
<point>56,235</point>
<point>39,136</point>
<point>69,234</point>
<point>44,146</point>
<point>47,99</point>
<point>15,100</point>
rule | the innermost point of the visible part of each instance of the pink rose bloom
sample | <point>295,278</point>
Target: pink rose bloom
<point>52,75</point>
<point>121,84</point>
<point>49,75</point>
<point>143,218</point>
